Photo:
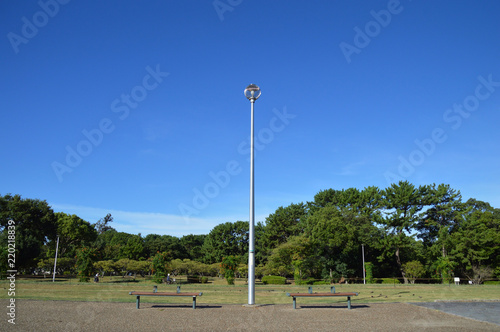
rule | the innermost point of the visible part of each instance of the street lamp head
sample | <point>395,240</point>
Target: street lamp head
<point>252,92</point>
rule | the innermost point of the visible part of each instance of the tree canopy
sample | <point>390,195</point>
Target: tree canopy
<point>406,231</point>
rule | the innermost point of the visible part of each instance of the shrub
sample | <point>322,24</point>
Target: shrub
<point>273,280</point>
<point>228,265</point>
<point>413,270</point>
<point>193,279</point>
<point>444,269</point>
<point>159,266</point>
<point>308,281</point>
<point>491,282</point>
<point>85,258</point>
<point>369,272</point>
<point>204,280</point>
<point>496,272</point>
<point>387,281</point>
<point>321,282</point>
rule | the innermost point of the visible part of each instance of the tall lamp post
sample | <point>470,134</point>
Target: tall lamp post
<point>252,92</point>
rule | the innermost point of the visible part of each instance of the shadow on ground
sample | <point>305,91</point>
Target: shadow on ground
<point>343,307</point>
<point>186,306</point>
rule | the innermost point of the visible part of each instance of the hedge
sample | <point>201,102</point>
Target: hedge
<point>308,281</point>
<point>387,280</point>
<point>321,282</point>
<point>192,279</point>
<point>273,280</point>
<point>491,282</point>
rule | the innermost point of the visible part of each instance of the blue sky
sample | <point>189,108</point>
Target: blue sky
<point>136,108</point>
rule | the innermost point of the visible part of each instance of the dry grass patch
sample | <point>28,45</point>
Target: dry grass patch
<point>218,292</point>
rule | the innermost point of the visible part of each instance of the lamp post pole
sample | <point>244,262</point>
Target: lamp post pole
<point>55,261</point>
<point>252,92</point>
<point>364,271</point>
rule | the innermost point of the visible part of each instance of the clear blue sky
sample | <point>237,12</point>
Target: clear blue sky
<point>136,108</point>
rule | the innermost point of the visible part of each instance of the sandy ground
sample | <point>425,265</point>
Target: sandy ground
<point>100,316</point>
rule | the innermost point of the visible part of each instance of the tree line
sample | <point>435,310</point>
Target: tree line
<point>406,231</point>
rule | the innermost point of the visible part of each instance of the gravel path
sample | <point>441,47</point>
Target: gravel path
<point>100,316</point>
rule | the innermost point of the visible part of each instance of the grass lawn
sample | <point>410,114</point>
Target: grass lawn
<point>116,289</point>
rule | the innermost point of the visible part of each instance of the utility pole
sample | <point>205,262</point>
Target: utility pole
<point>55,261</point>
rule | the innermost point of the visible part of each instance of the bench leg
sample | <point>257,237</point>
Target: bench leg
<point>348,302</point>
<point>138,301</point>
<point>294,303</point>
<point>194,302</point>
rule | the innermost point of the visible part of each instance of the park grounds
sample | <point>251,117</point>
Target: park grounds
<point>66,305</point>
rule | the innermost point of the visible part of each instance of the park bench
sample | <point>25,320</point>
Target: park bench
<point>156,293</point>
<point>311,294</point>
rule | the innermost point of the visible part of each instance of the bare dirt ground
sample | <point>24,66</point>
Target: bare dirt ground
<point>101,316</point>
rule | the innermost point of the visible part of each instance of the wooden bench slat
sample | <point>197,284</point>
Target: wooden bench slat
<point>139,294</point>
<point>321,294</point>
<point>164,294</point>
<point>295,295</point>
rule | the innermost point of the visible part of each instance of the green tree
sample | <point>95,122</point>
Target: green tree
<point>367,202</point>
<point>192,244</point>
<point>296,256</point>
<point>437,223</point>
<point>106,267</point>
<point>189,267</point>
<point>102,225</point>
<point>477,244</point>
<point>403,203</point>
<point>414,270</point>
<point>73,233</point>
<point>160,266</point>
<point>337,238</point>
<point>327,197</point>
<point>4,266</point>
<point>35,225</point>
<point>141,267</point>
<point>64,264</point>
<point>225,240</point>
<point>261,253</point>
<point>127,266</point>
<point>154,243</point>
<point>282,225</point>
<point>444,212</point>
<point>229,265</point>
<point>133,249</point>
<point>369,272</point>
<point>85,259</point>
<point>117,245</point>
<point>103,244</point>
<point>443,268</point>
<point>178,267</point>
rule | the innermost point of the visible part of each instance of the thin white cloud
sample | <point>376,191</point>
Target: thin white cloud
<point>351,169</point>
<point>145,222</point>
